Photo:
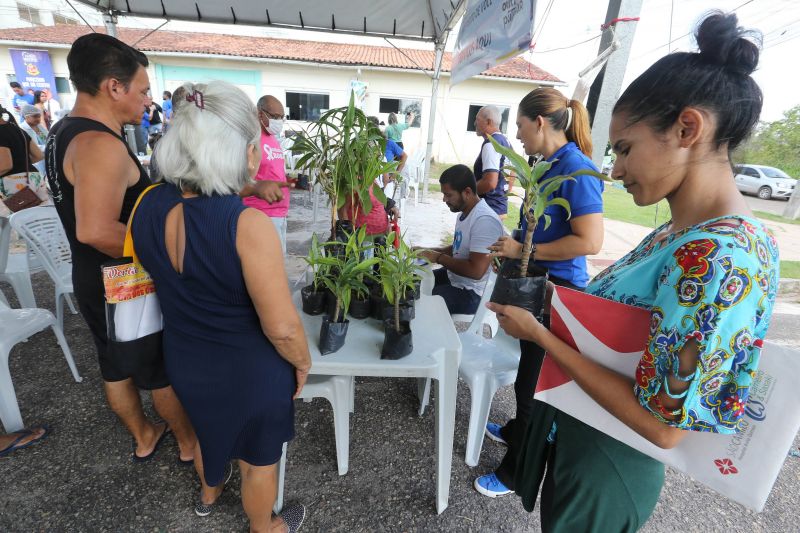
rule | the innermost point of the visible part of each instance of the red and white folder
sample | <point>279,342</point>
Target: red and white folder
<point>742,467</point>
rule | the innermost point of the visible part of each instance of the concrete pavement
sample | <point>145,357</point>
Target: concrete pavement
<point>81,478</point>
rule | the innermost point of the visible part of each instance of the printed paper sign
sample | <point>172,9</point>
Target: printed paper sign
<point>492,32</point>
<point>742,467</point>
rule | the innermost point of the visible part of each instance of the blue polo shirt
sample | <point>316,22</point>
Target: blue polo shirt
<point>585,196</point>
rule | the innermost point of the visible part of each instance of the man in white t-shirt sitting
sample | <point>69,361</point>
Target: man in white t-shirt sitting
<point>466,262</point>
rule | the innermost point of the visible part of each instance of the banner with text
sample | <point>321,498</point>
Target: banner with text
<point>492,32</point>
<point>33,69</point>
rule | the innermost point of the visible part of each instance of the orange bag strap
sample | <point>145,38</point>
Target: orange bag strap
<point>127,248</point>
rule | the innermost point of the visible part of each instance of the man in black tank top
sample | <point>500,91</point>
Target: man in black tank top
<point>95,181</point>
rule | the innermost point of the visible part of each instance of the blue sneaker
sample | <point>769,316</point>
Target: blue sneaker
<point>490,486</point>
<point>493,432</point>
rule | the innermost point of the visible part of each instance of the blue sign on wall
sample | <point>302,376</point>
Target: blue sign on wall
<point>33,69</point>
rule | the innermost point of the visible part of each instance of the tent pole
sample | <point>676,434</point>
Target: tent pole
<point>437,72</point>
<point>110,20</point>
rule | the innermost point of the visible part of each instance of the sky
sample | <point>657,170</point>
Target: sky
<point>572,21</point>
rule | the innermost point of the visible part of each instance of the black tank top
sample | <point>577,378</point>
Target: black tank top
<point>86,260</point>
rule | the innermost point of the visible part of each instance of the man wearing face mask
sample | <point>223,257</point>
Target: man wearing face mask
<point>272,168</point>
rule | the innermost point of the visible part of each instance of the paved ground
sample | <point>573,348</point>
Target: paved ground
<point>81,477</point>
<point>774,206</point>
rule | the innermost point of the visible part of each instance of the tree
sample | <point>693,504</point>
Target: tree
<point>775,144</point>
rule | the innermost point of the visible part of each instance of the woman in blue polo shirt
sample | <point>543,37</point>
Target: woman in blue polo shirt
<point>557,128</point>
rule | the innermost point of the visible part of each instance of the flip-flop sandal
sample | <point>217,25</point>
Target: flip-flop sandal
<point>138,459</point>
<point>293,517</point>
<point>15,444</point>
<point>185,462</point>
<point>205,509</point>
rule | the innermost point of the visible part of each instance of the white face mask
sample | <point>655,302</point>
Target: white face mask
<point>275,127</point>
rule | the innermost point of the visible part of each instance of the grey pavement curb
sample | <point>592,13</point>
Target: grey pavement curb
<point>788,285</point>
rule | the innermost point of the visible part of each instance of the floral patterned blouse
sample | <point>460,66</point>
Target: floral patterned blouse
<point>715,283</point>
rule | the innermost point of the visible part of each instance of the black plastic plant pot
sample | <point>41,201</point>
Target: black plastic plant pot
<point>406,310</point>
<point>330,303</point>
<point>528,292</point>
<point>332,335</point>
<point>417,289</point>
<point>359,308</point>
<point>302,182</point>
<point>313,301</point>
<point>396,344</point>
<point>376,302</point>
<point>342,230</point>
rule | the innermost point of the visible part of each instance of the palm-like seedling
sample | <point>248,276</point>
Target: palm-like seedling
<point>538,194</point>
<point>346,152</point>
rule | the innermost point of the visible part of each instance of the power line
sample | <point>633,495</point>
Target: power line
<point>670,41</point>
<point>540,27</point>
<point>590,39</point>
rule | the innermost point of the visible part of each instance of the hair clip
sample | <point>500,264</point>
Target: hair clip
<point>197,98</point>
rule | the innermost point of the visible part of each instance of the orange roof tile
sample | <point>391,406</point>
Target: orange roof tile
<point>265,47</point>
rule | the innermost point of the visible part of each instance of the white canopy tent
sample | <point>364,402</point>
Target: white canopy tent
<point>419,20</point>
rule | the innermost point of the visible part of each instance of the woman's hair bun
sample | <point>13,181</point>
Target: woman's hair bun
<point>723,42</point>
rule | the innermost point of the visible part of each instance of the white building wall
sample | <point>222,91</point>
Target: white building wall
<point>452,142</point>
<point>44,10</point>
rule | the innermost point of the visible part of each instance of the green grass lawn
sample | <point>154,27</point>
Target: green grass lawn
<point>512,220</point>
<point>775,218</point>
<point>618,205</point>
<point>790,269</point>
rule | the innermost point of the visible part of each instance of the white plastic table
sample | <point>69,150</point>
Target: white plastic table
<point>436,355</point>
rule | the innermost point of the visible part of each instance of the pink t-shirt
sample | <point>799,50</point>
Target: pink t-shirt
<point>271,169</point>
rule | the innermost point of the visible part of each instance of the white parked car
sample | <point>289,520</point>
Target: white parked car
<point>766,182</point>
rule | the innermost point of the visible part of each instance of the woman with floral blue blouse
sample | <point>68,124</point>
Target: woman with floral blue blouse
<point>708,277</point>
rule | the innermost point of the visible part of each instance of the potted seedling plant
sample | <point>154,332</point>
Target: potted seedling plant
<point>346,152</point>
<point>343,277</point>
<point>519,281</point>
<point>313,295</point>
<point>398,276</point>
<point>357,247</point>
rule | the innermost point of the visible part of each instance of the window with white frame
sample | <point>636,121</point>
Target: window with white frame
<point>401,107</point>
<point>306,106</point>
<point>473,112</point>
<point>28,13</point>
<point>61,19</point>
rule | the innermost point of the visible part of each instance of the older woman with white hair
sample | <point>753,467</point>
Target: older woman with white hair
<point>234,346</point>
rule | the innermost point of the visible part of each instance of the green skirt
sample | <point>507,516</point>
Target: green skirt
<point>590,482</point>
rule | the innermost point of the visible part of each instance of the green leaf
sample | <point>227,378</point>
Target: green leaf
<point>546,221</point>
<point>519,163</point>
<point>380,195</point>
<point>563,203</point>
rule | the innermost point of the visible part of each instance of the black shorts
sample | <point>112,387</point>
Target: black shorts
<point>146,368</point>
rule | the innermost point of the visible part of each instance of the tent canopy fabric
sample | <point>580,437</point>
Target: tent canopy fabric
<point>423,20</point>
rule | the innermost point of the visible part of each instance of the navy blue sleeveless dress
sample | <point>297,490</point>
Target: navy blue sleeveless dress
<point>235,387</point>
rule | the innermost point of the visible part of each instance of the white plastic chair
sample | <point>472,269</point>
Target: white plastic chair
<point>413,173</point>
<point>489,319</point>
<point>339,391</point>
<point>14,268</point>
<point>486,365</point>
<point>16,325</point>
<point>42,231</point>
